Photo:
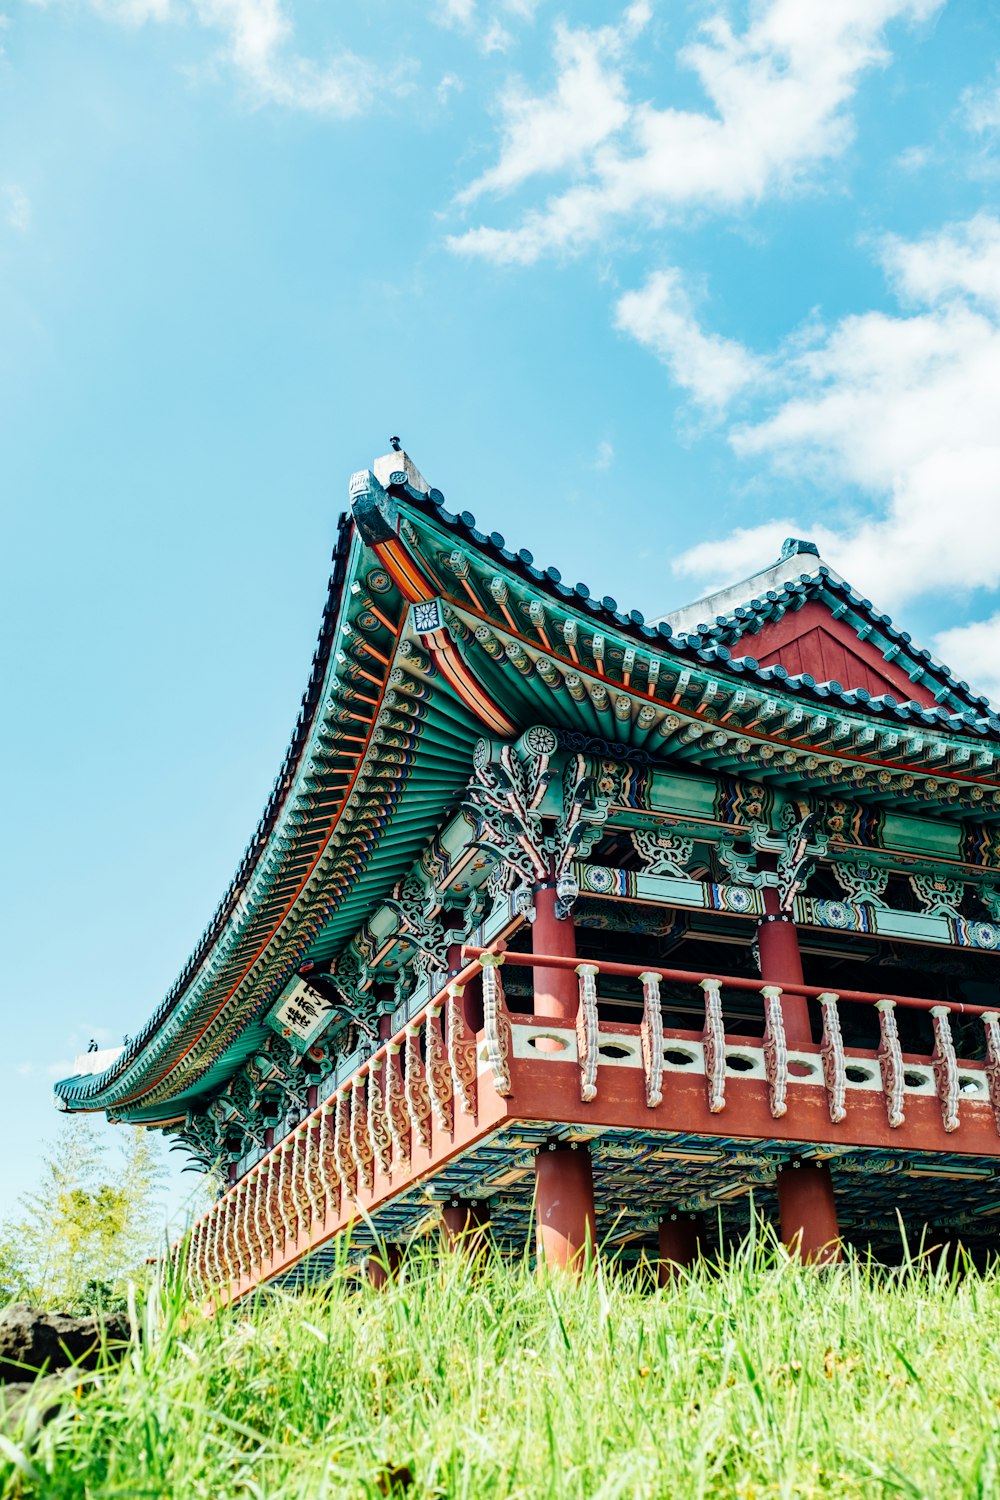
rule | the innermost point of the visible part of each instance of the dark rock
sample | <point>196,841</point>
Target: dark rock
<point>32,1402</point>
<point>32,1340</point>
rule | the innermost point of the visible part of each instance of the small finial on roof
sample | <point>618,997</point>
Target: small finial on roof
<point>792,546</point>
<point>395,445</point>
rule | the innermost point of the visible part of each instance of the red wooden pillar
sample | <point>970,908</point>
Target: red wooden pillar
<point>566,1234</point>
<point>564,1178</point>
<point>808,1211</point>
<point>681,1239</point>
<point>465,1222</point>
<point>781,964</point>
<point>806,1203</point>
<point>557,992</point>
<point>383,1263</point>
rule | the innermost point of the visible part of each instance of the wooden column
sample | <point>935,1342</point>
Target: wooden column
<point>808,1211</point>
<point>566,1233</point>
<point>781,964</point>
<point>465,1223</point>
<point>806,1203</point>
<point>557,992</point>
<point>383,1263</point>
<point>682,1237</point>
<point>564,1178</point>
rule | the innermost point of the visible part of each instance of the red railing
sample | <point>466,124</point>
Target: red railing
<point>375,1119</point>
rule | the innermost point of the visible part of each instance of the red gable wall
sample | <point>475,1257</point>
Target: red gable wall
<point>811,640</point>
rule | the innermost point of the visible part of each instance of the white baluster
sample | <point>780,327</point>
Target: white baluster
<point>651,1038</point>
<point>991,1025</point>
<point>416,1088</point>
<point>945,1066</point>
<point>330,1182</point>
<point>309,1172</point>
<point>378,1125</point>
<point>496,1023</point>
<point>587,1031</point>
<point>834,1061</point>
<point>714,1042</point>
<point>775,1050</point>
<point>890,1057</point>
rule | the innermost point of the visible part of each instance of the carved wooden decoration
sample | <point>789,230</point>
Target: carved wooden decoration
<point>395,1106</point>
<point>775,1051</point>
<point>714,1042</point>
<point>834,1062</point>
<point>496,1021</point>
<point>342,1155</point>
<point>418,1097</point>
<point>378,1124</point>
<point>327,1167</point>
<point>651,1038</point>
<point>945,1066</point>
<point>461,1052</point>
<point>438,1071</point>
<point>991,1025</point>
<point>587,1032</point>
<point>890,1059</point>
<point>361,1146</point>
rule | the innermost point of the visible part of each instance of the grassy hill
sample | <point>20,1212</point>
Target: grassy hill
<point>750,1379</point>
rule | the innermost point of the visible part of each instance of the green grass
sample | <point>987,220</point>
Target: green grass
<point>755,1378</point>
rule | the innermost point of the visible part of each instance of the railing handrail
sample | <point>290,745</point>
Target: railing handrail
<point>732,981</point>
<point>473,955</point>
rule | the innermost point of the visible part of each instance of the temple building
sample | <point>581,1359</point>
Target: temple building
<point>570,928</point>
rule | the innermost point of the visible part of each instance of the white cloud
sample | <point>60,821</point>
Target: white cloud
<point>490,33</point>
<point>901,408</point>
<point>449,84</point>
<point>963,259</point>
<point>973,653</point>
<point>18,212</point>
<point>550,134</point>
<point>257,34</point>
<point>981,106</point>
<point>660,316</point>
<point>257,42</point>
<point>778,95</point>
<point>604,457</point>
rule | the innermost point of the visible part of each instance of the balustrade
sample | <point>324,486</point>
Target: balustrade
<point>364,1136</point>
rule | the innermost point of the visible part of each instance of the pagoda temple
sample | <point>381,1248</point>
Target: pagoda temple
<point>586,933</point>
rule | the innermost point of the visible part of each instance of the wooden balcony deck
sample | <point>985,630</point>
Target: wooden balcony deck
<point>668,1114</point>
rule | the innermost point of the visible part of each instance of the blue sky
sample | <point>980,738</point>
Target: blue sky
<point>645,287</point>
